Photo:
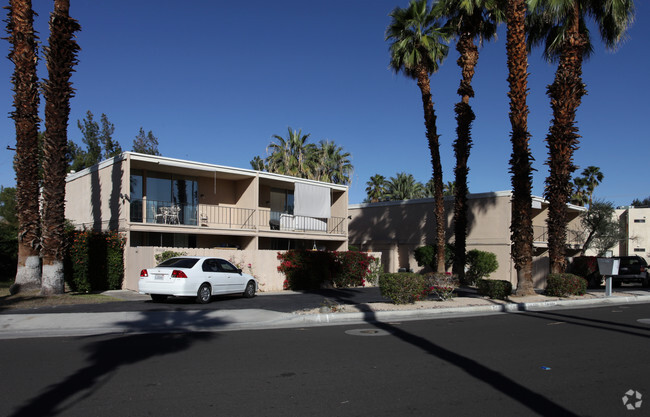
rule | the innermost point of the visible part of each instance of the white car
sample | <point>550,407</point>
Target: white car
<point>195,276</point>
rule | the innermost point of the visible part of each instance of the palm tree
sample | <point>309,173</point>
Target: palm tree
<point>521,226</point>
<point>257,163</point>
<point>332,164</point>
<point>449,188</point>
<point>61,57</point>
<point>561,25</point>
<point>592,177</point>
<point>467,20</point>
<point>403,186</point>
<point>417,49</point>
<point>20,27</point>
<point>376,188</point>
<point>292,156</point>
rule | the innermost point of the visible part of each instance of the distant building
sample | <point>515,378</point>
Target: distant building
<point>396,228</point>
<point>636,223</point>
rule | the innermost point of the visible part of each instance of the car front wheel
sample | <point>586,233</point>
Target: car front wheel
<point>204,294</point>
<point>249,292</point>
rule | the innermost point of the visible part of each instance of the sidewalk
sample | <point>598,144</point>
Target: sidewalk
<point>336,307</point>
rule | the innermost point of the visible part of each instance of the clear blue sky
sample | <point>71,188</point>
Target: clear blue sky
<point>214,80</point>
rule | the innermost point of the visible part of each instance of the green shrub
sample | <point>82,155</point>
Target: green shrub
<point>94,261</point>
<point>563,285</point>
<point>480,265</point>
<point>402,288</point>
<point>426,256</point>
<point>496,289</point>
<point>168,254</point>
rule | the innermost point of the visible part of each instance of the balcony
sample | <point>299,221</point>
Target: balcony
<point>574,238</point>
<point>169,214</point>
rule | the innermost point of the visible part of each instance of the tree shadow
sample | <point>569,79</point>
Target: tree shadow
<point>106,356</point>
<point>535,402</point>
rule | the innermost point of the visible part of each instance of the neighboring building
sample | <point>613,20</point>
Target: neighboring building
<point>636,223</point>
<point>204,209</point>
<point>396,228</point>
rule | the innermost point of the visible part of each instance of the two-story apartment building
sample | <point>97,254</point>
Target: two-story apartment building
<point>635,222</point>
<point>396,228</point>
<point>163,203</point>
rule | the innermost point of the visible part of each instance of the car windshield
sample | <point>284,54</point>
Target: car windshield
<point>179,262</point>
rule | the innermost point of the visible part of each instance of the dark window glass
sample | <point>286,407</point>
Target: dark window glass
<point>179,262</point>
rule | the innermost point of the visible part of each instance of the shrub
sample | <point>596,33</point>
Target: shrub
<point>480,265</point>
<point>352,269</point>
<point>168,254</point>
<point>306,270</point>
<point>441,285</point>
<point>95,261</point>
<point>586,267</point>
<point>426,256</point>
<point>497,289</point>
<point>562,285</point>
<point>402,288</point>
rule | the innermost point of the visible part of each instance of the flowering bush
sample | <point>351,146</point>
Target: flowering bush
<point>441,285</point>
<point>308,270</point>
<point>562,285</point>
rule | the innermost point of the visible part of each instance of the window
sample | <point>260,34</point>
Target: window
<point>226,266</point>
<point>639,249</point>
<point>639,220</point>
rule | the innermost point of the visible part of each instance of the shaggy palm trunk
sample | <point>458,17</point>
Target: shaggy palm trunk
<point>61,57</point>
<point>521,227</point>
<point>434,148</point>
<point>566,94</point>
<point>464,118</point>
<point>23,39</point>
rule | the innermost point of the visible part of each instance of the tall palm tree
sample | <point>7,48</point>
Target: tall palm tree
<point>403,186</point>
<point>292,155</point>
<point>376,188</point>
<point>561,25</point>
<point>449,188</point>
<point>61,57</point>
<point>468,20</point>
<point>20,27</point>
<point>332,164</point>
<point>521,226</point>
<point>417,49</point>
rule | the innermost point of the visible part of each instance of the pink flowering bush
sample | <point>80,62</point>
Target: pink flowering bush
<point>441,285</point>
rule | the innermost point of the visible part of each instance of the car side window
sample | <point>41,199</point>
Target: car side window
<point>209,265</point>
<point>226,266</point>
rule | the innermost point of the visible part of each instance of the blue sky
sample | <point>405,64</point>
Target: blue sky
<point>214,80</point>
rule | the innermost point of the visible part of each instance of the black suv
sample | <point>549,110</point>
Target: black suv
<point>631,269</point>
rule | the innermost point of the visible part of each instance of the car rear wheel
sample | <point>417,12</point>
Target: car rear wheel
<point>249,292</point>
<point>204,294</point>
<point>158,298</point>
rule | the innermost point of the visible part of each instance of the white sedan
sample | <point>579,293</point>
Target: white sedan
<point>195,276</point>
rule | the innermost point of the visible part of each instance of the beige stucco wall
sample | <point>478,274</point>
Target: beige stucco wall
<point>98,198</point>
<point>397,228</point>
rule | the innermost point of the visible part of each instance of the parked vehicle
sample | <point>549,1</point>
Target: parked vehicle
<point>195,276</point>
<point>631,269</point>
<point>586,267</point>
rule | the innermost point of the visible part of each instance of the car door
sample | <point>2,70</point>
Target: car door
<point>212,274</point>
<point>235,280</point>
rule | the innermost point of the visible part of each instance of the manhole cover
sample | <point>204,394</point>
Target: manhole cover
<point>367,332</point>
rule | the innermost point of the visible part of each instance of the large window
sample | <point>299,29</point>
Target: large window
<point>171,199</point>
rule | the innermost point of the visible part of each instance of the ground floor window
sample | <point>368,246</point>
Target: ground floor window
<point>169,240</point>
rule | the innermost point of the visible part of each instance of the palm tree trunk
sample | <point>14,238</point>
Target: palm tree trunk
<point>61,57</point>
<point>521,227</point>
<point>25,85</point>
<point>434,148</point>
<point>566,94</point>
<point>464,118</point>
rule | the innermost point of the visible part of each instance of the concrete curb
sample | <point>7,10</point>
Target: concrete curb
<point>13,326</point>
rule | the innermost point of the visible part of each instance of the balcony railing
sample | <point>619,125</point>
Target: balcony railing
<point>573,237</point>
<point>228,217</point>
<point>223,217</point>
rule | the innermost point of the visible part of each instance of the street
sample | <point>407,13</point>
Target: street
<point>555,362</point>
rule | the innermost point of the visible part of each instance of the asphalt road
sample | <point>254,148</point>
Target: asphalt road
<point>551,363</point>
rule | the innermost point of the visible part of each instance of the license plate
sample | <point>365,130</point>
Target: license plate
<point>158,276</point>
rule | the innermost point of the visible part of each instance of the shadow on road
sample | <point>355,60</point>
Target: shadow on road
<point>106,356</point>
<point>533,401</point>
